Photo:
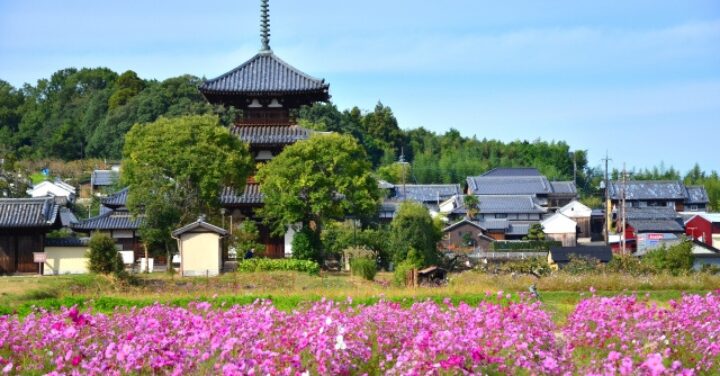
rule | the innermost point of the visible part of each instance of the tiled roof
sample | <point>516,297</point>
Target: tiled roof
<point>494,224</point>
<point>28,212</point>
<point>661,225</point>
<point>66,242</point>
<point>518,229</point>
<point>462,222</point>
<point>103,177</point>
<point>426,192</point>
<point>651,213</point>
<point>116,200</point>
<point>271,135</point>
<point>509,185</point>
<point>67,217</point>
<point>697,195</point>
<point>265,74</point>
<point>562,254</point>
<point>649,190</point>
<point>563,187</point>
<point>513,171</point>
<point>199,226</point>
<point>110,221</point>
<point>251,195</point>
<point>509,204</point>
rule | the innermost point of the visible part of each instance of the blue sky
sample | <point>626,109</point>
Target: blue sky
<point>640,79</point>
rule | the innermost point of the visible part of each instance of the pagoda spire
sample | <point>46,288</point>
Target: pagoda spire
<point>265,25</point>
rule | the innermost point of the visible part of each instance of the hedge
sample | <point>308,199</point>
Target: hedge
<point>267,265</point>
<point>523,245</point>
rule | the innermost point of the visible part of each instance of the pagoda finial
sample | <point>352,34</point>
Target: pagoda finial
<point>265,25</point>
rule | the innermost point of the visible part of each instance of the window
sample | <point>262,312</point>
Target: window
<point>501,215</point>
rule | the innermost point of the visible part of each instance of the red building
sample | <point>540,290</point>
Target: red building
<point>704,227</point>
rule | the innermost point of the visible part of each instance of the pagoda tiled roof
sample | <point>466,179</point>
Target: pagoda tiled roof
<point>271,135</point>
<point>266,74</point>
<point>250,195</point>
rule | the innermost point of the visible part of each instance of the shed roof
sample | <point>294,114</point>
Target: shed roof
<point>104,177</point>
<point>494,224</point>
<point>518,229</point>
<point>465,221</point>
<point>28,212</point>
<point>266,74</point>
<point>563,188</point>
<point>199,226</point>
<point>651,213</point>
<point>649,190</point>
<point>657,225</point>
<point>562,254</point>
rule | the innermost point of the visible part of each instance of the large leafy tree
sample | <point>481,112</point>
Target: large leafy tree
<point>325,177</point>
<point>413,229</point>
<point>175,169</point>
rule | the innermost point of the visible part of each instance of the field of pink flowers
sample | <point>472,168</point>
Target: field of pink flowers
<point>623,335</point>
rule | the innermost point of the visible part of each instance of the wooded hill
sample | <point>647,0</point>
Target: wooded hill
<point>80,114</point>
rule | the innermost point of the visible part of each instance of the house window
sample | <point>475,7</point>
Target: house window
<point>671,204</point>
<point>501,215</point>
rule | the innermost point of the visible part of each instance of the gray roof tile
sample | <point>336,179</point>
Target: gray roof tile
<point>250,195</point>
<point>425,192</point>
<point>67,217</point>
<point>509,204</point>
<point>651,213</point>
<point>697,195</point>
<point>662,225</point>
<point>104,177</point>
<point>116,220</point>
<point>509,185</point>
<point>513,171</point>
<point>494,224</point>
<point>518,229</point>
<point>28,212</point>
<point>271,135</point>
<point>265,74</point>
<point>649,190</point>
<point>116,200</point>
<point>563,187</point>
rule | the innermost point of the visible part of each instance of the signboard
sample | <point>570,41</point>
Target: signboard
<point>650,241</point>
<point>39,257</point>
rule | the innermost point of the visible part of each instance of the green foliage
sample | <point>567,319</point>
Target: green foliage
<point>313,181</point>
<point>396,172</point>
<point>305,246</point>
<point>628,264</point>
<point>537,266</point>
<point>103,257</point>
<point>267,265</point>
<point>245,237</point>
<point>176,168</point>
<point>340,236</point>
<point>535,233</point>
<point>472,205</point>
<point>582,265</point>
<point>523,246</point>
<point>413,228</point>
<point>676,259</point>
<point>364,267</point>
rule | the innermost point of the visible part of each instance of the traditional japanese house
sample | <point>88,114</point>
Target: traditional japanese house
<point>24,222</point>
<point>429,195</point>
<point>268,91</point>
<point>673,194</point>
<point>522,181</point>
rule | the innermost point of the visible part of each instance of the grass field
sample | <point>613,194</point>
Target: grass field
<point>559,293</point>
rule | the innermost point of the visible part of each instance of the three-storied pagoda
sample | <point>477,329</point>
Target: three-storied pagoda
<point>268,91</point>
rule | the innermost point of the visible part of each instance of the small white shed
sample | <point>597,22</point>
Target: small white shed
<point>200,246</point>
<point>579,213</point>
<point>561,228</point>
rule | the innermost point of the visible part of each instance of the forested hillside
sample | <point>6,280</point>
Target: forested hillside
<point>80,114</point>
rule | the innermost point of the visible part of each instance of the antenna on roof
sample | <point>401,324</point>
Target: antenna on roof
<point>265,25</point>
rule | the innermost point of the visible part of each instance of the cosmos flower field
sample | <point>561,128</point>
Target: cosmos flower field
<point>622,335</point>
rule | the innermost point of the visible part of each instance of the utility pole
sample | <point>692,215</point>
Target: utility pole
<point>608,208</point>
<point>623,218</point>
<point>402,163</point>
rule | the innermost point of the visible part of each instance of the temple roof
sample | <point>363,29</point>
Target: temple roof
<point>251,195</point>
<point>266,75</point>
<point>271,135</point>
<point>28,212</point>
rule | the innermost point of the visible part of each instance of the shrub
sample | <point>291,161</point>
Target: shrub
<point>413,261</point>
<point>103,256</point>
<point>303,246</point>
<point>266,265</point>
<point>675,259</point>
<point>627,264</point>
<point>365,267</point>
<point>532,265</point>
<point>582,265</point>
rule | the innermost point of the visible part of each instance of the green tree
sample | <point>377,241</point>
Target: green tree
<point>676,259</point>
<point>472,204</point>
<point>413,228</point>
<point>312,181</point>
<point>175,169</point>
<point>246,236</point>
<point>535,232</point>
<point>103,257</point>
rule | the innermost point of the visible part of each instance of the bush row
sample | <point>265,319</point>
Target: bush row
<point>523,245</point>
<point>267,265</point>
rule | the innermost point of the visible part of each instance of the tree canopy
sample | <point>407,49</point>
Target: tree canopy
<point>325,177</point>
<point>175,169</point>
<point>413,229</point>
